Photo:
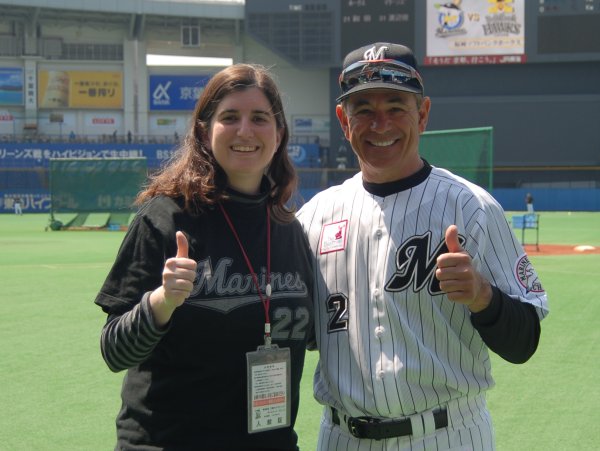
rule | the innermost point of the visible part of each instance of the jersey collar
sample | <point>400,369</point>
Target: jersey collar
<point>385,189</point>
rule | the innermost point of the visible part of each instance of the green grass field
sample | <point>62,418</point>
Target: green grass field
<point>56,392</point>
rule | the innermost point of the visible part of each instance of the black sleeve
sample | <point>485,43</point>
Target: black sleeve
<point>137,269</point>
<point>129,339</point>
<point>509,327</point>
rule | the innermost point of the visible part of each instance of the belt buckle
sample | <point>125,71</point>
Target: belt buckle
<point>358,425</point>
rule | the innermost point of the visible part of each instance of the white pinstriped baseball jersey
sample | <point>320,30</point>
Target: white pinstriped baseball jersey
<point>391,344</point>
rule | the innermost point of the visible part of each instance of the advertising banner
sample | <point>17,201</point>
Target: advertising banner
<point>7,122</point>
<point>11,86</point>
<point>80,89</point>
<point>310,125</point>
<point>304,155</point>
<point>102,122</point>
<point>475,32</point>
<point>27,165</point>
<point>175,92</point>
<point>316,126</point>
<point>57,123</point>
<point>163,124</point>
<point>31,87</point>
<point>37,155</point>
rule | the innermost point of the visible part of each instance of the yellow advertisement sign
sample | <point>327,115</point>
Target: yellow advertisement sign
<point>79,89</point>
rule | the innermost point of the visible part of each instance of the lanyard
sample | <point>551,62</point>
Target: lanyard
<point>266,299</point>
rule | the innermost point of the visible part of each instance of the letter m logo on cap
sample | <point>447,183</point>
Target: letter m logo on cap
<point>375,53</point>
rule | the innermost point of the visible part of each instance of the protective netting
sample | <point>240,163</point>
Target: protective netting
<point>95,185</point>
<point>466,152</point>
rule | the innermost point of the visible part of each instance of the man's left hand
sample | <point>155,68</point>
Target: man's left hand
<point>458,278</point>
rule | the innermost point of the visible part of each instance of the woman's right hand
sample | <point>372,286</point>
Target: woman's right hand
<point>178,281</point>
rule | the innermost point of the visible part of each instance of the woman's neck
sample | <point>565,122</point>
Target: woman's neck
<point>246,189</point>
<point>246,185</point>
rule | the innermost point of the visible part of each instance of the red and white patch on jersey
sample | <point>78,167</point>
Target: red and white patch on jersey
<point>527,276</point>
<point>333,237</point>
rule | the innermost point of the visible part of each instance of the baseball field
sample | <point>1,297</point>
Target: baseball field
<point>56,393</point>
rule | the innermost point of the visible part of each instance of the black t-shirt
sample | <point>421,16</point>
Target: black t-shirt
<point>191,392</point>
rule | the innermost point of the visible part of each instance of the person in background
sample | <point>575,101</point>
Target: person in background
<point>529,203</point>
<point>209,299</point>
<point>418,275</point>
<point>18,206</point>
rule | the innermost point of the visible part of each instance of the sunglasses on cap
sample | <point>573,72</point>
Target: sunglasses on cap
<point>384,71</point>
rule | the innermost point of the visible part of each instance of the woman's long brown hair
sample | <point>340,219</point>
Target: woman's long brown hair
<point>194,174</point>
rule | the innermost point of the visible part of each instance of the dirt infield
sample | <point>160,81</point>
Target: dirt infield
<point>560,249</point>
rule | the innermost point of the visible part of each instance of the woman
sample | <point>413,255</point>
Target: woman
<point>213,267</point>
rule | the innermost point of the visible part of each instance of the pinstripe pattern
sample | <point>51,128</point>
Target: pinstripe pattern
<point>129,339</point>
<point>405,347</point>
<point>477,437</point>
<point>470,428</point>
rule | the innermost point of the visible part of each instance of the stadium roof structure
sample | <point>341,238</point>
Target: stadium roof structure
<point>136,15</point>
<point>217,9</point>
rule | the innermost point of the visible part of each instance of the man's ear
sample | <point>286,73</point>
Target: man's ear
<point>424,114</point>
<point>343,119</point>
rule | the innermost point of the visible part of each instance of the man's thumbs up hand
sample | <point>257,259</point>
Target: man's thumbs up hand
<point>452,242</point>
<point>458,278</point>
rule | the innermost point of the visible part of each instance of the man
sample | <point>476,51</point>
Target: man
<point>529,203</point>
<point>18,206</point>
<point>418,275</point>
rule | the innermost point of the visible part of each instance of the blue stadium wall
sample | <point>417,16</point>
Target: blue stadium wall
<point>24,166</point>
<point>550,199</point>
<point>24,174</point>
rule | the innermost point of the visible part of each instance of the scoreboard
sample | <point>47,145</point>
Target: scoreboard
<point>363,22</point>
<point>568,27</point>
<point>321,32</point>
<point>302,31</point>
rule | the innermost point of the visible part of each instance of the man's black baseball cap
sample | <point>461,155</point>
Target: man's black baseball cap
<point>380,65</point>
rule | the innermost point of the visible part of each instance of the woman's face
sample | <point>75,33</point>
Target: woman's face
<point>243,137</point>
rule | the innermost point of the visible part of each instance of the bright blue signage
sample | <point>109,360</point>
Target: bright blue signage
<point>175,92</point>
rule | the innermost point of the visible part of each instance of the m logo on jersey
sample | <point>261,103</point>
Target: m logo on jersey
<point>415,264</point>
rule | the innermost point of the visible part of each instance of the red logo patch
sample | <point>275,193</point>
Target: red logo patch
<point>333,237</point>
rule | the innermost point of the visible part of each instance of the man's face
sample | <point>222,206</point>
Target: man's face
<point>383,127</point>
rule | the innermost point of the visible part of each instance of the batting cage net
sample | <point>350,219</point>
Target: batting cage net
<point>466,152</point>
<point>94,193</point>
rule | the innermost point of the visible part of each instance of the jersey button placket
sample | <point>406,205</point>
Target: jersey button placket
<point>378,300</point>
<point>379,310</point>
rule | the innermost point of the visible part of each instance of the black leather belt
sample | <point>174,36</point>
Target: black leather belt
<point>377,428</point>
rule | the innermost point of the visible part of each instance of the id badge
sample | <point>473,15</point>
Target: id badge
<point>269,382</point>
